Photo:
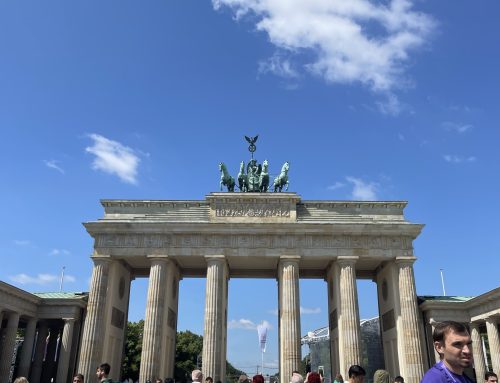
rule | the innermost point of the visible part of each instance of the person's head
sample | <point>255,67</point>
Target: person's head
<point>209,379</point>
<point>296,378</point>
<point>258,379</point>
<point>453,343</point>
<point>158,380</point>
<point>490,377</point>
<point>314,377</point>
<point>196,376</point>
<point>356,374</point>
<point>381,376</point>
<point>78,378</point>
<point>339,378</point>
<point>103,371</point>
<point>399,379</point>
<point>243,378</point>
<point>21,379</point>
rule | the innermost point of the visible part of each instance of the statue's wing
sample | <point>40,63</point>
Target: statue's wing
<point>248,139</point>
<point>254,140</point>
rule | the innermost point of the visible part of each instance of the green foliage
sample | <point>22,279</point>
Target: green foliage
<point>188,350</point>
<point>133,349</point>
<point>232,373</point>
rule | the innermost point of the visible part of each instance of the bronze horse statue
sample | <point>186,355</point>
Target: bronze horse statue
<point>282,179</point>
<point>264,177</point>
<point>225,178</point>
<point>242,178</point>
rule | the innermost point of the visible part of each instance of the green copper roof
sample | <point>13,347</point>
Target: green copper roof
<point>441,298</point>
<point>61,295</point>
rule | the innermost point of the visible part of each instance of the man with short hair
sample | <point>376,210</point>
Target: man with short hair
<point>490,377</point>
<point>296,377</point>
<point>356,374</point>
<point>103,372</point>
<point>399,379</point>
<point>209,379</point>
<point>197,376</point>
<point>453,343</point>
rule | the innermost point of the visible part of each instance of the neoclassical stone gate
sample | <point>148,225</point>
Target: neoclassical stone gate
<point>274,235</point>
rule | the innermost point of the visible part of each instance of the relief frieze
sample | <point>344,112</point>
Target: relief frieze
<point>252,241</point>
<point>252,210</point>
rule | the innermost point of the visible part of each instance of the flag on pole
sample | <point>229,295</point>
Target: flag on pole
<point>262,331</point>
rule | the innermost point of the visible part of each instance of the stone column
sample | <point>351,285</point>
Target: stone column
<point>65,353</point>
<point>93,329</point>
<point>153,323</point>
<point>289,316</point>
<point>214,338</point>
<point>349,328</point>
<point>8,346</point>
<point>494,342</point>
<point>411,363</point>
<point>27,348</point>
<point>36,368</point>
<point>477,352</point>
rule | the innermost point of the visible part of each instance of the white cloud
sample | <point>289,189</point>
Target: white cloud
<point>278,66</point>
<point>246,324</point>
<point>336,185</point>
<point>350,41</point>
<point>40,279</point>
<point>390,106</point>
<point>454,159</point>
<point>53,164</point>
<point>59,252</point>
<point>114,158</point>
<point>363,191</point>
<point>306,310</point>
<point>456,127</point>
<point>22,242</point>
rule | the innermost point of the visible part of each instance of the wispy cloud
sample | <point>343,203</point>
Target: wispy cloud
<point>22,242</point>
<point>456,127</point>
<point>455,159</point>
<point>40,279</point>
<point>278,66</point>
<point>114,158</point>
<point>246,324</point>
<point>53,164</point>
<point>363,190</point>
<point>336,185</point>
<point>350,41</point>
<point>307,310</point>
<point>56,252</point>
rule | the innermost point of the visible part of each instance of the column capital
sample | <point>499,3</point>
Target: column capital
<point>215,259</point>
<point>101,259</point>
<point>347,259</point>
<point>157,258</point>
<point>69,320</point>
<point>290,258</point>
<point>405,260</point>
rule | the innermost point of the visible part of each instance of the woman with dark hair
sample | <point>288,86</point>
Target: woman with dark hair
<point>313,377</point>
<point>258,379</point>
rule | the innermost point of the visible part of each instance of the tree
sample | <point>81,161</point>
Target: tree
<point>133,348</point>
<point>188,348</point>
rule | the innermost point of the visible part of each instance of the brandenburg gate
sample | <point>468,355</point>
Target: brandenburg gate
<point>248,235</point>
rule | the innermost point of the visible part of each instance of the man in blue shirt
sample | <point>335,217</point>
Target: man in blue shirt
<point>453,343</point>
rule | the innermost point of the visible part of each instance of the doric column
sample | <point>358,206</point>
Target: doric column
<point>27,348</point>
<point>36,368</point>
<point>411,363</point>
<point>349,328</point>
<point>153,323</point>
<point>477,352</point>
<point>214,338</point>
<point>65,353</point>
<point>51,354</point>
<point>289,316</point>
<point>8,346</point>
<point>494,342</point>
<point>93,329</point>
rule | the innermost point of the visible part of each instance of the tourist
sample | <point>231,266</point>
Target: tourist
<point>21,379</point>
<point>197,376</point>
<point>209,379</point>
<point>258,379</point>
<point>78,378</point>
<point>399,379</point>
<point>296,377</point>
<point>490,377</point>
<point>243,378</point>
<point>158,380</point>
<point>356,374</point>
<point>338,379</point>
<point>453,343</point>
<point>313,377</point>
<point>103,372</point>
<point>381,376</point>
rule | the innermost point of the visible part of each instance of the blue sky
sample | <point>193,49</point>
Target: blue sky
<point>141,100</point>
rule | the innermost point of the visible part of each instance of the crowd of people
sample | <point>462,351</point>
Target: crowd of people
<point>451,339</point>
